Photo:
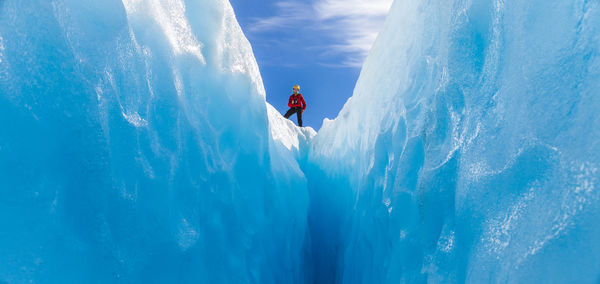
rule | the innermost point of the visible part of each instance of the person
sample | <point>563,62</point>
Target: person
<point>296,104</point>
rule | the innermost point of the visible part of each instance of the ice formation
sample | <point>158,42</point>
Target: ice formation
<point>136,146</point>
<point>471,148</point>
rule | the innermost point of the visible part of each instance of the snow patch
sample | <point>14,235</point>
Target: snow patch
<point>286,132</point>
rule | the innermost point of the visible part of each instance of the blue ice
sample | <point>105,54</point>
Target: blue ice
<point>136,146</point>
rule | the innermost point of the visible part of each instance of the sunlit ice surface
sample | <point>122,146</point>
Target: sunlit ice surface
<point>136,146</point>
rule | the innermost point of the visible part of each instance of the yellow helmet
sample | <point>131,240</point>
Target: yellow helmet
<point>297,87</point>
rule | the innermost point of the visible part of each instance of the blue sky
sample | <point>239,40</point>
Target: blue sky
<point>318,44</point>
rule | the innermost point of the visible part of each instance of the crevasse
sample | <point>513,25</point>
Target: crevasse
<point>136,146</point>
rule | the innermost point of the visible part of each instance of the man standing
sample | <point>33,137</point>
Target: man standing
<point>297,105</point>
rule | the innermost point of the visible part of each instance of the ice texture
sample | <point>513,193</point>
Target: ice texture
<point>469,151</point>
<point>294,139</point>
<point>135,148</point>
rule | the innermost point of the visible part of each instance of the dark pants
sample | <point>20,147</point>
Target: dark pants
<point>293,110</point>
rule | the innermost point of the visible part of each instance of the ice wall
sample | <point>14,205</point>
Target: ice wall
<point>135,147</point>
<point>469,151</point>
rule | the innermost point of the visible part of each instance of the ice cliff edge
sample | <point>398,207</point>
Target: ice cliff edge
<point>135,147</point>
<point>469,151</point>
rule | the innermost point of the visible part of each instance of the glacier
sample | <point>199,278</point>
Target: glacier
<point>469,151</point>
<point>136,146</point>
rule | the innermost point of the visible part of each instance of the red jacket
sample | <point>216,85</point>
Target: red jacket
<point>297,102</point>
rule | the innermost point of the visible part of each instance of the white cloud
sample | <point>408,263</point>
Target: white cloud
<point>352,8</point>
<point>352,25</point>
<point>288,16</point>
